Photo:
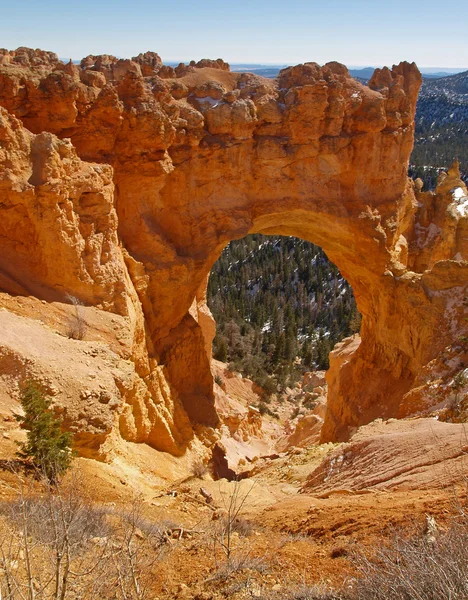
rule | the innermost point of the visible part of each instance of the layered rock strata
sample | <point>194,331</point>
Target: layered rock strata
<point>180,162</point>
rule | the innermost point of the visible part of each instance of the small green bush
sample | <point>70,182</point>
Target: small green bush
<point>47,445</point>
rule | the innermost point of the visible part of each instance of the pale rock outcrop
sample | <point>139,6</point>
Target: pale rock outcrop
<point>53,201</point>
<point>304,427</point>
<point>244,434</point>
<point>393,455</point>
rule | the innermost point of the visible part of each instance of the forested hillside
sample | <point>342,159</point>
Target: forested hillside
<point>280,306</point>
<point>441,127</point>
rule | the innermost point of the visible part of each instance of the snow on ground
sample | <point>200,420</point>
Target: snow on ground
<point>426,235</point>
<point>460,202</point>
<point>209,100</point>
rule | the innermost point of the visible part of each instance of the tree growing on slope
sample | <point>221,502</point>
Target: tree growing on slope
<point>46,444</point>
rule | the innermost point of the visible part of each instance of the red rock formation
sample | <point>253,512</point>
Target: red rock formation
<point>209,156</point>
<point>59,224</point>
<point>58,239</point>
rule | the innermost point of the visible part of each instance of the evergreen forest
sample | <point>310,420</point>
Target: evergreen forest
<point>280,307</point>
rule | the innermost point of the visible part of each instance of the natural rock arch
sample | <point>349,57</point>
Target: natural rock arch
<point>332,172</point>
<point>203,156</point>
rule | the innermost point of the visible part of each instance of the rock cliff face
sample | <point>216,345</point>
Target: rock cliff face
<point>180,162</point>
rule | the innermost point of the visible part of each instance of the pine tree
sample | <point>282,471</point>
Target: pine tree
<point>221,352</point>
<point>46,444</point>
<point>267,320</point>
<point>355,321</point>
<point>323,349</point>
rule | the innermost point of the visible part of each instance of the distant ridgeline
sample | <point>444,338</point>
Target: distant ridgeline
<point>280,306</point>
<point>441,128</point>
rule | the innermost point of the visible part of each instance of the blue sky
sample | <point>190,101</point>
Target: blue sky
<point>359,32</point>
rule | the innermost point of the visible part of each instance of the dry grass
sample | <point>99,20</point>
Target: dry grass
<point>76,328</point>
<point>425,566</point>
<point>54,543</point>
<point>198,468</point>
<point>303,592</point>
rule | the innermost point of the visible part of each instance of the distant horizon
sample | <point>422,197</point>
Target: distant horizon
<point>352,32</point>
<point>253,63</point>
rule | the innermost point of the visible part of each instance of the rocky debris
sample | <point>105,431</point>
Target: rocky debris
<point>244,433</point>
<point>251,436</point>
<point>208,497</point>
<point>307,429</point>
<point>313,379</point>
<point>308,403</point>
<point>441,388</point>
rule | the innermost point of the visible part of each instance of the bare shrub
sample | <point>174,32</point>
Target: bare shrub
<point>229,534</point>
<point>81,520</point>
<point>76,328</point>
<point>44,538</point>
<point>199,468</point>
<point>138,544</point>
<point>226,526</point>
<point>421,567</point>
<point>55,544</point>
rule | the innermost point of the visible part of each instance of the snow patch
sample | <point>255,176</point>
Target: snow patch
<point>425,236</point>
<point>460,202</point>
<point>208,100</point>
<point>458,193</point>
<point>463,208</point>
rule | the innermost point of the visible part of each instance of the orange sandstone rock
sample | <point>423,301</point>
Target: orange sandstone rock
<point>201,156</point>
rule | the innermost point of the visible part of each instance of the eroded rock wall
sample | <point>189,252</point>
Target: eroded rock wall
<point>201,156</point>
<point>59,243</point>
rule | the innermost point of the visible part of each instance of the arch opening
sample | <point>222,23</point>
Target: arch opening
<point>280,307</point>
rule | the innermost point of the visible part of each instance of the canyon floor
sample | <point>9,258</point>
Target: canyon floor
<point>284,536</point>
<point>301,512</point>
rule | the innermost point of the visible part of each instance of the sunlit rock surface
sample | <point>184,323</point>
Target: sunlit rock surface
<point>121,182</point>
